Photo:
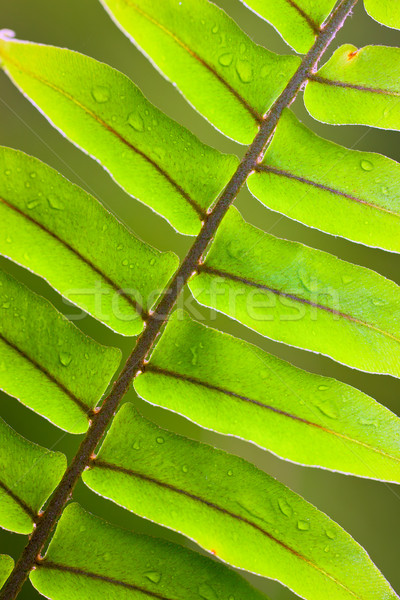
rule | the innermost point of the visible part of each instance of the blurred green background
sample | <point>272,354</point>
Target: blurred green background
<point>369,510</point>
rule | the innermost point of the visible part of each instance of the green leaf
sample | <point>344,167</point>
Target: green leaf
<point>227,385</point>
<point>302,297</point>
<point>89,558</point>
<point>384,11</point>
<point>53,228</point>
<point>226,76</point>
<point>357,87</point>
<point>232,509</point>
<point>357,193</point>
<point>297,21</point>
<point>29,474</point>
<point>6,566</point>
<point>48,363</point>
<point>106,115</point>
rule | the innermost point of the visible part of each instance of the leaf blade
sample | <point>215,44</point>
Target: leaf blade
<point>6,566</point>
<point>386,12</point>
<point>102,112</point>
<point>213,63</point>
<point>297,21</point>
<point>80,565</point>
<point>302,297</point>
<point>64,371</point>
<point>352,202</point>
<point>227,385</point>
<point>29,474</point>
<point>53,227</point>
<point>232,508</point>
<point>348,91</point>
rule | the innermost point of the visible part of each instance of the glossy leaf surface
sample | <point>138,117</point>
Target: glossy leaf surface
<point>227,385</point>
<point>233,509</point>
<point>29,474</point>
<point>103,112</point>
<point>344,192</point>
<point>302,297</point>
<point>357,87</point>
<point>298,21</point>
<point>384,11</point>
<point>46,362</point>
<point>89,558</point>
<point>226,76</point>
<point>53,228</point>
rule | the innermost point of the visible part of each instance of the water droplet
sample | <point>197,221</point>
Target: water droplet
<point>8,240</point>
<point>327,410</point>
<point>207,592</point>
<point>55,202</point>
<point>107,556</point>
<point>194,355</point>
<point>366,165</point>
<point>385,190</point>
<point>152,262</point>
<point>286,509</point>
<point>346,279</point>
<point>303,525</point>
<point>230,473</point>
<point>65,358</point>
<point>215,29</point>
<point>101,94</point>
<point>331,534</point>
<point>119,247</point>
<point>226,59</point>
<point>33,174</point>
<point>136,445</point>
<point>378,302</point>
<point>244,70</point>
<point>7,172</point>
<point>160,440</point>
<point>368,422</point>
<point>153,576</point>
<point>125,262</point>
<point>82,529</point>
<point>323,388</point>
<point>31,204</point>
<point>5,305</point>
<point>326,549</point>
<point>136,121</point>
<point>185,468</point>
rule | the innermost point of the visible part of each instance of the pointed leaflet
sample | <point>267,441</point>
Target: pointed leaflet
<point>344,192</point>
<point>298,21</point>
<point>63,234</point>
<point>105,114</point>
<point>302,297</point>
<point>384,11</point>
<point>231,508</point>
<point>226,76</point>
<point>48,363</point>
<point>6,566</point>
<point>29,474</point>
<point>357,87</point>
<point>89,558</point>
<point>230,386</point>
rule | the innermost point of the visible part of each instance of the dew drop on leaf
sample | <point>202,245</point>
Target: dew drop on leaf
<point>136,121</point>
<point>226,59</point>
<point>31,204</point>
<point>153,576</point>
<point>330,534</point>
<point>366,165</point>
<point>285,507</point>
<point>101,94</point>
<point>323,388</point>
<point>65,358</point>
<point>230,473</point>
<point>346,279</point>
<point>55,202</point>
<point>378,302</point>
<point>185,468</point>
<point>368,422</point>
<point>7,172</point>
<point>244,70</point>
<point>303,525</point>
<point>160,440</point>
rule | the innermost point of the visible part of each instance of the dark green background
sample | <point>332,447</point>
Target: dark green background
<point>367,509</point>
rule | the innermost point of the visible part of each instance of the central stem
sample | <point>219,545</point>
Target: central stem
<point>156,320</point>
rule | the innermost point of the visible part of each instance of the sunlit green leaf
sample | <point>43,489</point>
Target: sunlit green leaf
<point>232,509</point>
<point>6,566</point>
<point>46,362</point>
<point>53,227</point>
<point>357,86</point>
<point>29,474</point>
<point>298,21</point>
<point>230,386</point>
<point>344,192</point>
<point>89,558</point>
<point>302,297</point>
<point>226,76</point>
<point>104,113</point>
<point>384,11</point>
